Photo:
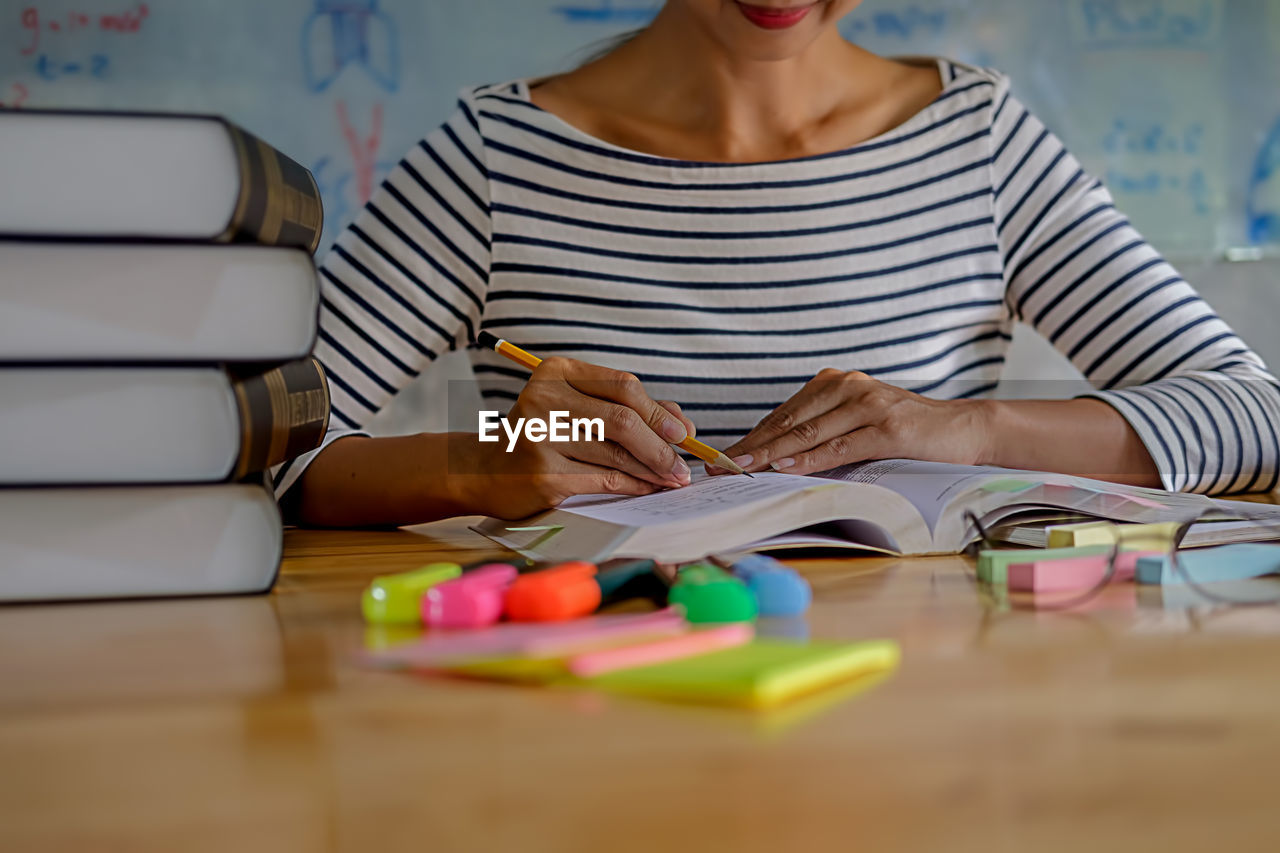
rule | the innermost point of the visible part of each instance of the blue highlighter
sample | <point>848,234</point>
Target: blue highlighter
<point>779,590</point>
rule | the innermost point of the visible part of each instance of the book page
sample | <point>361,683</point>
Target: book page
<point>933,487</point>
<point>705,497</point>
<point>930,486</point>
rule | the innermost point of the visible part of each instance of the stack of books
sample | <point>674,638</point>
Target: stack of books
<point>158,307</point>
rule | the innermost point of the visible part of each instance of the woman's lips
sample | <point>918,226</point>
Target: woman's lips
<point>775,18</point>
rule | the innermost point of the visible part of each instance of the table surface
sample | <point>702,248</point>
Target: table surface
<point>244,724</point>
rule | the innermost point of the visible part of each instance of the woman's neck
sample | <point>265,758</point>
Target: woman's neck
<point>745,104</point>
<point>675,92</point>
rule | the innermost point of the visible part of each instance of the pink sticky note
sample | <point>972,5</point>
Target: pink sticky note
<point>684,646</point>
<point>440,648</point>
<point>1072,574</point>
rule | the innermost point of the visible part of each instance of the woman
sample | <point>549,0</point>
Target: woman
<point>736,204</point>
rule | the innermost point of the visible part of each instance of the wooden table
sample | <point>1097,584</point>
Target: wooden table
<point>243,724</point>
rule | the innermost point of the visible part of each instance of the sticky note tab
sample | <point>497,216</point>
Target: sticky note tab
<point>397,599</point>
<point>1136,537</point>
<point>1072,574</point>
<point>993,566</point>
<point>592,664</point>
<point>1008,486</point>
<point>1212,565</point>
<point>445,649</point>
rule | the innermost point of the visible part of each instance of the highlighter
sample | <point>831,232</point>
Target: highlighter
<point>779,589</point>
<point>710,595</point>
<point>474,600</point>
<point>624,579</point>
<point>563,592</point>
<point>396,599</point>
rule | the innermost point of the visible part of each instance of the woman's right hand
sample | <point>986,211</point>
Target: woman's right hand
<point>636,457</point>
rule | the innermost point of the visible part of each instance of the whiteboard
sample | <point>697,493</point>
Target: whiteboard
<point>1173,103</point>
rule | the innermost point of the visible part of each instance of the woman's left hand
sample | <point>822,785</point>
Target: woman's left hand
<point>840,417</point>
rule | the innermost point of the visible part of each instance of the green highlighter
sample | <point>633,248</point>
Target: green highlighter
<point>710,595</point>
<point>993,566</point>
<point>397,599</point>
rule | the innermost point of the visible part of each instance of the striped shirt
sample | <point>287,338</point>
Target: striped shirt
<point>726,287</point>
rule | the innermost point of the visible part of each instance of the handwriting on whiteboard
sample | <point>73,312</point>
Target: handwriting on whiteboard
<point>346,189</point>
<point>608,12</point>
<point>1193,24</point>
<point>15,97</point>
<point>35,24</point>
<point>1262,206</point>
<point>53,58</point>
<point>1159,159</point>
<point>342,33</point>
<point>910,22</point>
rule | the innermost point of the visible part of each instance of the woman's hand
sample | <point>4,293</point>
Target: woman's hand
<point>636,457</point>
<point>840,417</point>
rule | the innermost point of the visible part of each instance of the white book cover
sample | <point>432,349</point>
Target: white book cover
<point>72,544</point>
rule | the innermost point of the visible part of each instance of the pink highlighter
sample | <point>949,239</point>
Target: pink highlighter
<point>474,600</point>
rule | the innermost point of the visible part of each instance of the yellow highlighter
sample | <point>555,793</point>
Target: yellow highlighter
<point>704,452</point>
<point>397,599</point>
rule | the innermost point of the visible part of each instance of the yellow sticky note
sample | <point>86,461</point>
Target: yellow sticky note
<point>761,674</point>
<point>1136,537</point>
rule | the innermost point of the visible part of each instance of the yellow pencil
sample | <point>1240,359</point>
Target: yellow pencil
<point>704,452</point>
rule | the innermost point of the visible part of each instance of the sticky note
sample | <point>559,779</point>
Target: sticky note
<point>1145,537</point>
<point>993,566</point>
<point>1212,565</point>
<point>761,674</point>
<point>1008,486</point>
<point>1072,574</point>
<point>442,649</point>
<point>688,645</point>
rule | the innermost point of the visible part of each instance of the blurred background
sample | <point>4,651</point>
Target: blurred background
<point>1173,103</point>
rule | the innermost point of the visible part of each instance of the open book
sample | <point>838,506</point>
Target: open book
<point>894,506</point>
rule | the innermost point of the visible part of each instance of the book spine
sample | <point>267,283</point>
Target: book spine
<point>279,203</point>
<point>283,414</point>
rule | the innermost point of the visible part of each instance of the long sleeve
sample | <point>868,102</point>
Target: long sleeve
<point>406,281</point>
<point>1077,272</point>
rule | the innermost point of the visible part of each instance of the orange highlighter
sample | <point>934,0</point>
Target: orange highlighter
<point>558,594</point>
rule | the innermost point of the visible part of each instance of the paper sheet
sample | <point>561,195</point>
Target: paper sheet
<point>703,498</point>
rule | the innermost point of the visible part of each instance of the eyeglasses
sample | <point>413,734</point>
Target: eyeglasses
<point>1166,558</point>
